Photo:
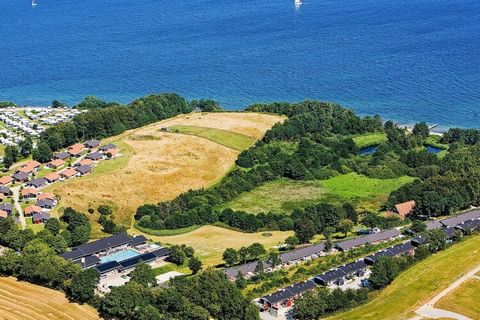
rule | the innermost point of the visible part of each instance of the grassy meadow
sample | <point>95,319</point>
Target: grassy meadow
<point>229,139</point>
<point>156,165</point>
<point>419,284</point>
<point>22,300</point>
<point>283,195</point>
<point>210,241</point>
<point>464,299</point>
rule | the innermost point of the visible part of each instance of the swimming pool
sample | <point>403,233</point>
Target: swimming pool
<point>120,256</point>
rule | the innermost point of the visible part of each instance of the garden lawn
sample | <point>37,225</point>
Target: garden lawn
<point>283,195</point>
<point>419,284</point>
<point>229,139</point>
<point>370,139</point>
<point>464,299</point>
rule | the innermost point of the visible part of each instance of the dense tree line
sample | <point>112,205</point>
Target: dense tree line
<point>204,296</point>
<point>454,186</point>
<point>308,145</point>
<point>108,119</point>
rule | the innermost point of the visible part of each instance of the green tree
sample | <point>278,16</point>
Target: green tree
<point>350,212</point>
<point>177,255</point>
<point>57,104</point>
<point>26,146</point>
<point>148,313</point>
<point>345,226</point>
<point>206,105</point>
<point>274,259</point>
<point>309,306</point>
<point>240,280</point>
<point>305,230</point>
<point>436,240</point>
<point>255,250</point>
<point>10,156</point>
<point>418,226</point>
<point>292,241</point>
<point>230,256</point>
<point>144,275</point>
<point>421,130</point>
<point>104,209</point>
<point>53,225</point>
<point>123,302</point>
<point>42,153</point>
<point>82,288</point>
<point>384,271</point>
<point>259,267</point>
<point>195,265</point>
<point>243,254</point>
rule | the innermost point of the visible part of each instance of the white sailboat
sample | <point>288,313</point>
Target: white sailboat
<point>298,3</point>
<point>34,3</point>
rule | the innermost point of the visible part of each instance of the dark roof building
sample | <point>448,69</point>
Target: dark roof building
<point>62,155</point>
<point>20,176</point>
<point>418,241</point>
<point>83,169</point>
<point>37,183</point>
<point>434,224</point>
<point>96,246</point>
<point>108,147</point>
<point>40,217</point>
<point>370,238</point>
<point>45,203</point>
<point>331,276</point>
<point>92,143</point>
<point>5,190</point>
<point>95,156</point>
<point>470,225</point>
<point>107,267</point>
<point>284,295</point>
<point>371,260</point>
<point>8,207</point>
<point>302,253</point>
<point>162,252</point>
<point>461,218</point>
<point>354,268</point>
<point>88,261</point>
<point>141,239</point>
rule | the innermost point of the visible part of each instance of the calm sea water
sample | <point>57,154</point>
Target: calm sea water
<point>409,60</point>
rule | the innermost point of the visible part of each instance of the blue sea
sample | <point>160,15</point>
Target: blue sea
<point>407,60</point>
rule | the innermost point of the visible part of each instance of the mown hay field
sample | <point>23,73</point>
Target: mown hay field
<point>419,284</point>
<point>210,241</point>
<point>25,301</point>
<point>157,165</point>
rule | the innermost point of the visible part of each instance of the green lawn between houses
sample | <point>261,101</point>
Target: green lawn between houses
<point>229,139</point>
<point>283,195</point>
<point>419,284</point>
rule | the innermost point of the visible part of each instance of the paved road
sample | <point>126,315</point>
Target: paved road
<point>428,310</point>
<point>16,202</point>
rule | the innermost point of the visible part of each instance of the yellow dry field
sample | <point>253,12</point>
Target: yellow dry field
<point>210,242</point>
<point>156,165</point>
<point>247,123</point>
<point>464,299</point>
<point>25,301</point>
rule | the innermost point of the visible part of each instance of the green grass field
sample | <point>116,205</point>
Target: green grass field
<point>283,195</point>
<point>464,299</point>
<point>370,139</point>
<point>419,284</point>
<point>229,139</point>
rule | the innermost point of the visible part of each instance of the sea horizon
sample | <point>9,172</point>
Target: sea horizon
<point>409,61</point>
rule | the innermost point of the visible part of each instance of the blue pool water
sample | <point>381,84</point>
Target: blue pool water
<point>406,60</point>
<point>120,256</point>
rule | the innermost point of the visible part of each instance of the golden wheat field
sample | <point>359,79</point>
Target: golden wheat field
<point>25,301</point>
<point>210,241</point>
<point>156,165</point>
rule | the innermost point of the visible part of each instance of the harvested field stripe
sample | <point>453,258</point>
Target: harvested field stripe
<point>228,139</point>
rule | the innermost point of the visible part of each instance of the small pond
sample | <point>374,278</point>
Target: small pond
<point>434,150</point>
<point>367,150</point>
